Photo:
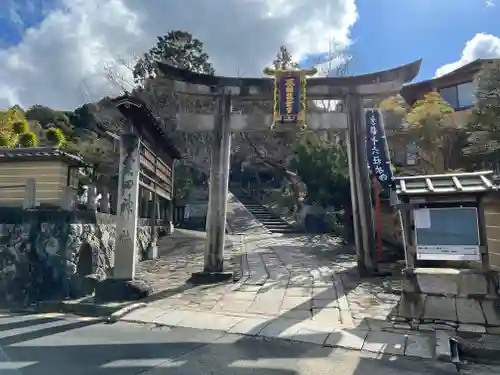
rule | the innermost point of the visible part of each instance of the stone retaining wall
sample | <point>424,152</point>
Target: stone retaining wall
<point>460,298</point>
<point>47,253</point>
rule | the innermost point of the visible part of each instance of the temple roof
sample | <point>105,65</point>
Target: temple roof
<point>141,117</point>
<point>39,153</point>
<point>439,184</point>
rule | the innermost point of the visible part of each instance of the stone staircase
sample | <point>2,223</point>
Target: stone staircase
<point>272,222</point>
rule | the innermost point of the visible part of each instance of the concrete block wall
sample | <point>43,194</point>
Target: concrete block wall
<point>492,219</point>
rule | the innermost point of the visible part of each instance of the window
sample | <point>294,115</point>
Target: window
<point>459,96</point>
<point>450,95</point>
<point>466,94</point>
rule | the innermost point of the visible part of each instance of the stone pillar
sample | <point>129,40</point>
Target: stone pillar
<point>219,180</point>
<point>127,210</point>
<point>29,200</point>
<point>143,204</point>
<point>152,252</point>
<point>169,215</point>
<point>104,203</point>
<point>169,219</point>
<point>68,199</point>
<point>113,202</point>
<point>363,204</point>
<point>351,158</point>
<point>92,197</point>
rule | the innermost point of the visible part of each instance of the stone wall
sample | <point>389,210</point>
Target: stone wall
<point>49,253</point>
<point>451,297</point>
<point>492,221</point>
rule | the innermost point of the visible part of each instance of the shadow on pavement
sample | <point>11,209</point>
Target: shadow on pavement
<point>344,279</point>
<point>89,348</point>
<point>180,254</point>
<point>173,269</point>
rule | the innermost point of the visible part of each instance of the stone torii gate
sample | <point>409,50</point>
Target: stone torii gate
<point>351,90</point>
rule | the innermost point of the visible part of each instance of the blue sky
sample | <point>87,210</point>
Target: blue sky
<point>388,32</point>
<point>18,15</point>
<point>393,32</point>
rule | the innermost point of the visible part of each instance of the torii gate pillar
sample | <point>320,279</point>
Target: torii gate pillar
<point>218,191</point>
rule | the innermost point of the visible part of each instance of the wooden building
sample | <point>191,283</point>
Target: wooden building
<point>157,157</point>
<point>52,169</point>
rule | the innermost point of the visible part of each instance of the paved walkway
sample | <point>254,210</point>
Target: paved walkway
<point>301,288</point>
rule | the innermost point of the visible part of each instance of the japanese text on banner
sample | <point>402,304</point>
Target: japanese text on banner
<point>376,147</point>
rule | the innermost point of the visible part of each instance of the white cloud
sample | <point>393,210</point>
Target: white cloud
<point>65,55</point>
<point>482,46</point>
<point>489,3</point>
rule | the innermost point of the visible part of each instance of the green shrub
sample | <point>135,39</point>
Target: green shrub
<point>55,137</point>
<point>20,127</point>
<point>28,139</point>
<point>5,140</point>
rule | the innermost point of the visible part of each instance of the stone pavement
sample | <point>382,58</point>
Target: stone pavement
<point>32,344</point>
<point>301,288</point>
<point>181,254</point>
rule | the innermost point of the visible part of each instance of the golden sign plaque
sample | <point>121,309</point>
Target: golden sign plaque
<point>290,96</point>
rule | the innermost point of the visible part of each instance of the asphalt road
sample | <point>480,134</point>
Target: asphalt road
<point>66,345</point>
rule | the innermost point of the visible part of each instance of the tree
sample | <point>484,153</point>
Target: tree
<point>484,124</point>
<point>178,48</point>
<point>55,137</point>
<point>28,139</point>
<point>48,117</point>
<point>323,168</point>
<point>394,110</point>
<point>430,126</point>
<point>486,110</point>
<point>284,60</point>
<point>15,129</point>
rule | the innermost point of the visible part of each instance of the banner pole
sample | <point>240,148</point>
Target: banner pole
<point>378,219</point>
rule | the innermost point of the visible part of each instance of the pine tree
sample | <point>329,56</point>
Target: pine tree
<point>486,113</point>
<point>284,60</point>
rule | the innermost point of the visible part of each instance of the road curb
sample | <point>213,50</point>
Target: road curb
<point>117,315</point>
<point>259,335</point>
<point>78,308</point>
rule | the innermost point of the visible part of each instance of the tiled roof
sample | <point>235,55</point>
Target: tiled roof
<point>474,182</point>
<point>137,111</point>
<point>37,153</point>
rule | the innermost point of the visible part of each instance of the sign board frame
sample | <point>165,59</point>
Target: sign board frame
<point>447,252</point>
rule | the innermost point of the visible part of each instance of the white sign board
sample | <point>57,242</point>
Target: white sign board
<point>447,233</point>
<point>422,218</point>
